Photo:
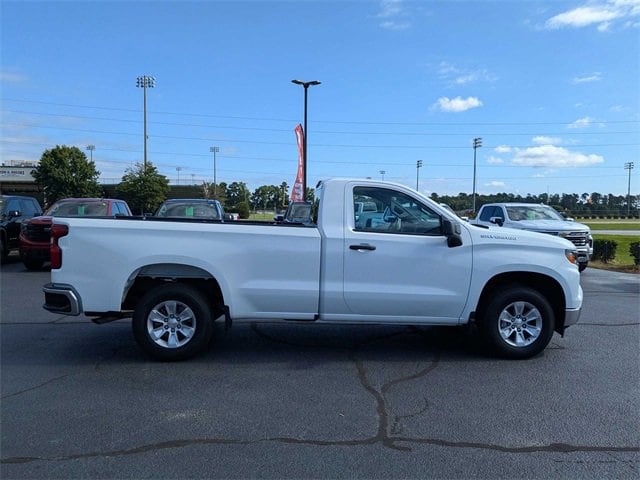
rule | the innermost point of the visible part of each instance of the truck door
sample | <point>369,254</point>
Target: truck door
<point>397,265</point>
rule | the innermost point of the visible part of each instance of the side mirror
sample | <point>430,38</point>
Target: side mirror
<point>497,221</point>
<point>453,232</point>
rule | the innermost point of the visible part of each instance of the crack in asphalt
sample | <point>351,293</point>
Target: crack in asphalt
<point>383,409</point>
<point>155,447</point>
<point>35,387</point>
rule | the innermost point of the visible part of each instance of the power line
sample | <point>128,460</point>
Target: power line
<point>340,122</point>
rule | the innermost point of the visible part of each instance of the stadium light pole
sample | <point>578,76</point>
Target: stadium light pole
<point>305,139</point>
<point>477,143</point>
<point>214,150</point>
<point>91,148</point>
<point>629,166</point>
<point>382,172</point>
<point>144,82</point>
<point>178,170</point>
<point>418,166</point>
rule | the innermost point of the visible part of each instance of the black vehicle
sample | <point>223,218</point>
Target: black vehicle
<point>13,211</point>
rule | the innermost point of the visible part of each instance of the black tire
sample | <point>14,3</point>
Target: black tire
<point>582,266</point>
<point>181,318</point>
<point>32,264</point>
<point>4,251</point>
<point>517,323</point>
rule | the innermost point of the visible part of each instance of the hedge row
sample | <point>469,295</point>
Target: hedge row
<point>605,250</point>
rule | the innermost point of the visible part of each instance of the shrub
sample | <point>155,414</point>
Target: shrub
<point>604,250</point>
<point>634,250</point>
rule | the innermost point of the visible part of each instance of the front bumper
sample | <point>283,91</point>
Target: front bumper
<point>61,298</point>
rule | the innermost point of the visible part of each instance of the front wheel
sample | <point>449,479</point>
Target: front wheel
<point>517,323</point>
<point>173,322</point>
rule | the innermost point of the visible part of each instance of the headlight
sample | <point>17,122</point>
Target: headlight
<point>572,256</point>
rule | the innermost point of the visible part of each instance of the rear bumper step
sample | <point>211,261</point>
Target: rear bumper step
<point>61,298</point>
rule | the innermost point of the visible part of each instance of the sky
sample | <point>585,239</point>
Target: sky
<point>552,89</point>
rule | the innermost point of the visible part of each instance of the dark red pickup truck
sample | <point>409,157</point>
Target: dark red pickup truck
<point>35,234</point>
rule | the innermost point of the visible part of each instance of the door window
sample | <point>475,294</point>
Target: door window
<point>390,211</point>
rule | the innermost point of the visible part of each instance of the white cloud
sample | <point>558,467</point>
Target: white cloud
<point>494,160</point>
<point>502,149</point>
<point>495,184</point>
<point>582,123</point>
<point>455,75</point>
<point>594,77</point>
<point>457,104</point>
<point>552,156</point>
<point>542,140</point>
<point>602,14</point>
<point>12,77</point>
<point>394,15</point>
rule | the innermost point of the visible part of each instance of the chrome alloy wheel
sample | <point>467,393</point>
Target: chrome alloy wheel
<point>520,324</point>
<point>171,324</point>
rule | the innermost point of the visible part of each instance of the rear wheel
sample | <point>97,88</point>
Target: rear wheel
<point>173,322</point>
<point>517,323</point>
<point>582,266</point>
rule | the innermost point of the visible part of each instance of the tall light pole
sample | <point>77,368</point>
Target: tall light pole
<point>214,150</point>
<point>144,82</point>
<point>91,148</point>
<point>477,143</point>
<point>629,166</point>
<point>178,170</point>
<point>305,140</point>
<point>382,172</point>
<point>418,166</point>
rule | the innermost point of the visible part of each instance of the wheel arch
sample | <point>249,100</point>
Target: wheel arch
<point>150,276</point>
<point>544,284</point>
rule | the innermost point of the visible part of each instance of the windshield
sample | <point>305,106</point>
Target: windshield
<point>533,212</point>
<point>80,208</point>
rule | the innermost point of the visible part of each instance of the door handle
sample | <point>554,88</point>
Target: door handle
<point>363,246</point>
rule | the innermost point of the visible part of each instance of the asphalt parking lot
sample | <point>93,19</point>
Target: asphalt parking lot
<point>80,400</point>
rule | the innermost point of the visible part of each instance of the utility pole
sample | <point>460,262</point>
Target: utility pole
<point>144,82</point>
<point>214,150</point>
<point>477,143</point>
<point>418,166</point>
<point>306,86</point>
<point>629,166</point>
<point>91,148</point>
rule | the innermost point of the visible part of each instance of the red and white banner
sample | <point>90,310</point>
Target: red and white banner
<point>297,193</point>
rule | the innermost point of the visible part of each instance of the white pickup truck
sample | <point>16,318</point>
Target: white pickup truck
<point>542,219</point>
<point>409,262</point>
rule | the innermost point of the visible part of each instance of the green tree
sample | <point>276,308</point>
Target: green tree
<point>237,192</point>
<point>65,172</point>
<point>144,190</point>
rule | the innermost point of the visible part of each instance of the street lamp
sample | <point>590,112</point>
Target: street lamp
<point>382,172</point>
<point>418,166</point>
<point>305,139</point>
<point>91,148</point>
<point>214,150</point>
<point>144,82</point>
<point>629,166</point>
<point>477,143</point>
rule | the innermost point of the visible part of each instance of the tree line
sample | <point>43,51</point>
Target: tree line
<point>65,172</point>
